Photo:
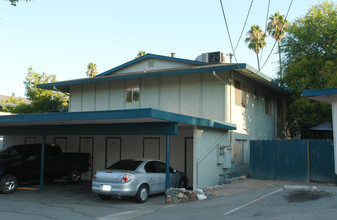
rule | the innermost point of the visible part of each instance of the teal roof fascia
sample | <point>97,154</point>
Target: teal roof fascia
<point>64,85</point>
<point>191,120</point>
<point>153,56</point>
<point>37,118</point>
<point>150,128</point>
<point>77,116</point>
<point>319,92</point>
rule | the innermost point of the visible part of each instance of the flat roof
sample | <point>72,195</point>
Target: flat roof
<point>322,95</point>
<point>145,121</point>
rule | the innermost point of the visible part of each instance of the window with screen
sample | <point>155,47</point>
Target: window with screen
<point>132,93</point>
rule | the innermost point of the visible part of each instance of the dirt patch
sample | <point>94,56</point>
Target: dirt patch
<point>305,196</point>
<point>248,185</point>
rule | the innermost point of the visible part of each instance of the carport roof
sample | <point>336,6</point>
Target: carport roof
<point>132,121</point>
<point>322,95</point>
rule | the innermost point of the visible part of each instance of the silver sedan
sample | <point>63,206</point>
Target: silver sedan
<point>138,178</point>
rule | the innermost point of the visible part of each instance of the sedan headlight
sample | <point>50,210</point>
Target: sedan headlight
<point>127,178</point>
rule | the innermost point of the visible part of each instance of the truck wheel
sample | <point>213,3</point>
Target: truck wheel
<point>104,197</point>
<point>142,194</point>
<point>74,175</point>
<point>8,183</point>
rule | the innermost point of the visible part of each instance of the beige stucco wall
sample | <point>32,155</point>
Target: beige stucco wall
<point>207,160</point>
<point>198,95</point>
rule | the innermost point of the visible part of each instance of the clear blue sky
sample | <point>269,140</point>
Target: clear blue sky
<point>62,37</point>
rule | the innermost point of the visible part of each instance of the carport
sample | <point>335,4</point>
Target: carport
<point>145,121</point>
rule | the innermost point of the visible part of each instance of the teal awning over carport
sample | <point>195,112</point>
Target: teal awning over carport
<point>119,122</point>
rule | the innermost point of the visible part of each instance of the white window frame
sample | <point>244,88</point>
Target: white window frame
<point>132,93</point>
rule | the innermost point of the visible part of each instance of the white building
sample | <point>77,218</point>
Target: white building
<point>203,113</point>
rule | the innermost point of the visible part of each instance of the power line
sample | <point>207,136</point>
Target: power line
<point>230,40</point>
<point>265,27</point>
<point>244,25</point>
<point>276,40</point>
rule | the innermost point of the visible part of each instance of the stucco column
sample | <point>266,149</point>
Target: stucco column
<point>167,185</point>
<point>334,125</point>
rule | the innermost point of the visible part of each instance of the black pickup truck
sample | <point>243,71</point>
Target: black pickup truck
<point>22,163</point>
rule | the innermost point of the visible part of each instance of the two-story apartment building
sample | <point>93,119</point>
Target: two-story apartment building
<point>198,115</point>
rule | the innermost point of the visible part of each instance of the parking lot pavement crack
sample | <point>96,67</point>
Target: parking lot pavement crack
<point>36,216</point>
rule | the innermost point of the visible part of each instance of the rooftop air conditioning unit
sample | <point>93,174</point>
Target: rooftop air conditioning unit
<point>213,57</point>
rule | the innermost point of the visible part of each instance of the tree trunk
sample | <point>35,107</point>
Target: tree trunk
<point>279,56</point>
<point>258,62</point>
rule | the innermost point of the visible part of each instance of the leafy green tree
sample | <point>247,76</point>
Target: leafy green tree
<point>310,60</point>
<point>275,28</point>
<point>41,100</point>
<point>10,104</point>
<point>92,70</point>
<point>256,41</point>
<point>140,54</point>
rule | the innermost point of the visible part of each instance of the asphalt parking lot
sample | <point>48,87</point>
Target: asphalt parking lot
<point>61,200</point>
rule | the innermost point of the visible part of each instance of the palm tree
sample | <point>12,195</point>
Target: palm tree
<point>92,70</point>
<point>140,54</point>
<point>256,40</point>
<point>275,28</point>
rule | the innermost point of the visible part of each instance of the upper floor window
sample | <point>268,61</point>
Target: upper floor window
<point>240,95</point>
<point>267,103</point>
<point>256,94</point>
<point>132,93</point>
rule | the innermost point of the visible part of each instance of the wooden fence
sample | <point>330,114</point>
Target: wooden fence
<point>296,160</point>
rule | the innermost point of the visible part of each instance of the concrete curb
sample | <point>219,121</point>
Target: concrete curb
<point>300,188</point>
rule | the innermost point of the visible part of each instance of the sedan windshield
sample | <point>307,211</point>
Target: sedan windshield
<point>125,165</point>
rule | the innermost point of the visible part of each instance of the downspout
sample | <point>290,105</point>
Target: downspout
<point>230,99</point>
<point>220,138</point>
<point>230,105</point>
<point>221,80</point>
<point>57,90</point>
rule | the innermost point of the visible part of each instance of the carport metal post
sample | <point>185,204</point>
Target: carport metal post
<point>167,162</point>
<point>42,162</point>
